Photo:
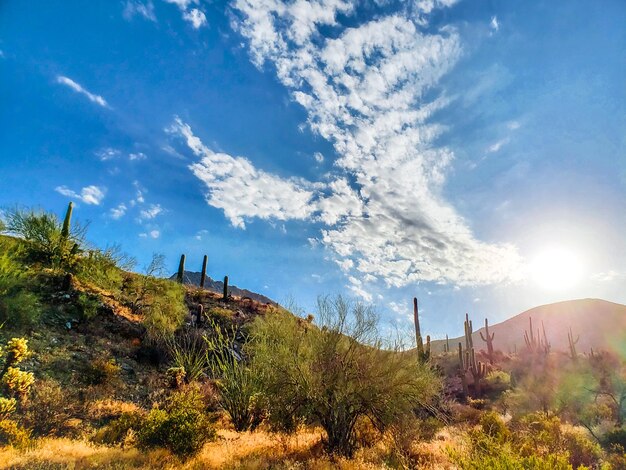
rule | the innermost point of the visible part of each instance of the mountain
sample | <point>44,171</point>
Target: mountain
<point>193,279</point>
<point>600,324</point>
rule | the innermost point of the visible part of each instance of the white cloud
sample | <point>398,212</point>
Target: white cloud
<point>89,194</point>
<point>134,8</point>
<point>152,234</point>
<point>79,89</point>
<point>107,153</point>
<point>241,190</point>
<point>137,156</point>
<point>498,145</point>
<point>319,158</point>
<point>151,212</point>
<point>495,26</point>
<point>364,90</point>
<point>118,212</point>
<point>195,16</point>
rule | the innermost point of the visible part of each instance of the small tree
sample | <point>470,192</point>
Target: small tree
<point>338,374</point>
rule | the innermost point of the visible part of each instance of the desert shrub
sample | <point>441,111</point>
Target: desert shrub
<point>238,383</point>
<point>48,408</point>
<point>46,240</point>
<point>222,317</point>
<point>122,430</point>
<point>102,371</point>
<point>181,425</point>
<point>334,375</point>
<point>7,407</point>
<point>104,267</point>
<point>16,382</point>
<point>498,381</point>
<point>11,433</point>
<point>493,426</point>
<point>188,350</point>
<point>87,305</point>
<point>160,301</point>
<point>614,438</point>
<point>18,306</point>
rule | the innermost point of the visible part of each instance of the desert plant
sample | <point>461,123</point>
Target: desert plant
<point>48,408</point>
<point>181,425</point>
<point>238,383</point>
<point>11,433</point>
<point>423,351</point>
<point>488,338</point>
<point>7,407</point>
<point>180,276</point>
<point>18,305</point>
<point>337,374</point>
<point>225,293</point>
<point>188,351</point>
<point>16,382</point>
<point>205,260</point>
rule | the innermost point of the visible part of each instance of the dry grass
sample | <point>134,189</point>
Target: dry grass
<point>231,450</point>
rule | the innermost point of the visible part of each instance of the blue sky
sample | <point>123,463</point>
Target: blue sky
<point>468,153</point>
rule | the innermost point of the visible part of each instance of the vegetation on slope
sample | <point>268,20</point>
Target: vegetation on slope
<point>126,361</point>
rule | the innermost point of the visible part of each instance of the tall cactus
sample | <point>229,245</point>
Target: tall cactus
<point>423,353</point>
<point>67,222</point>
<point>572,344</point>
<point>463,364</point>
<point>488,340</point>
<point>203,275</point>
<point>478,370</point>
<point>536,344</point>
<point>446,347</point>
<point>225,294</point>
<point>469,329</point>
<point>180,277</point>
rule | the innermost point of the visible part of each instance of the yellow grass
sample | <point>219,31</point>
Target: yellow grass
<point>231,450</point>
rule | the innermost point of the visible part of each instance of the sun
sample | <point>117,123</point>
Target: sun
<point>556,269</point>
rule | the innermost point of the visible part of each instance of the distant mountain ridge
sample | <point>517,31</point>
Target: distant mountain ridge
<point>193,279</point>
<point>600,324</point>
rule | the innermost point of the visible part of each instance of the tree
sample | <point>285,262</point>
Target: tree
<point>337,374</point>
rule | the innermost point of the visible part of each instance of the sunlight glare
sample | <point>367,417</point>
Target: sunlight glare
<point>556,269</point>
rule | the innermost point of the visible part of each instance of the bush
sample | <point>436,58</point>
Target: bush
<point>17,382</point>
<point>188,351</point>
<point>122,430</point>
<point>13,434</point>
<point>181,426</point>
<point>614,438</point>
<point>336,375</point>
<point>48,408</point>
<point>18,306</point>
<point>104,267</point>
<point>7,407</point>
<point>46,240</point>
<point>102,371</point>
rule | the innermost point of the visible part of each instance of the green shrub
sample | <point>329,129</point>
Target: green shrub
<point>18,306</point>
<point>493,426</point>
<point>13,434</point>
<point>102,371</point>
<point>122,430</point>
<point>7,407</point>
<point>188,351</point>
<point>104,268</point>
<point>180,426</point>
<point>334,375</point>
<point>613,438</point>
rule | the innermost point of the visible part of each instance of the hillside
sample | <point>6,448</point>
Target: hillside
<point>600,324</point>
<point>193,279</point>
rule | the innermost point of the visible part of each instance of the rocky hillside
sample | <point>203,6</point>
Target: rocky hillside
<point>600,325</point>
<point>193,279</point>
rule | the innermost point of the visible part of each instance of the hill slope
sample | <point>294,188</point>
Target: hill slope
<point>193,279</point>
<point>600,324</point>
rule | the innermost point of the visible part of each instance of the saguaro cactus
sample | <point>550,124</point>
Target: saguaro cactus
<point>225,298</point>
<point>572,344</point>
<point>463,370</point>
<point>67,221</point>
<point>203,275</point>
<point>536,344</point>
<point>469,342</point>
<point>478,370</point>
<point>446,347</point>
<point>423,353</point>
<point>488,340</point>
<point>180,277</point>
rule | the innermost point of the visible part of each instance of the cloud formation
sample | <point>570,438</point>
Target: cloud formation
<point>194,16</point>
<point>364,90</point>
<point>89,194</point>
<point>134,8</point>
<point>99,100</point>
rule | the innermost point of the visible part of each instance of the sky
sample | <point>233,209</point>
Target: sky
<point>469,153</point>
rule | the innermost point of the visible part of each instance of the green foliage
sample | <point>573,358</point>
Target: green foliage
<point>48,408</point>
<point>7,407</point>
<point>11,433</point>
<point>45,240</point>
<point>18,306</point>
<point>337,374</point>
<point>121,430</point>
<point>181,426</point>
<point>104,268</point>
<point>188,352</point>
<point>102,371</point>
<point>239,384</point>
<point>614,438</point>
